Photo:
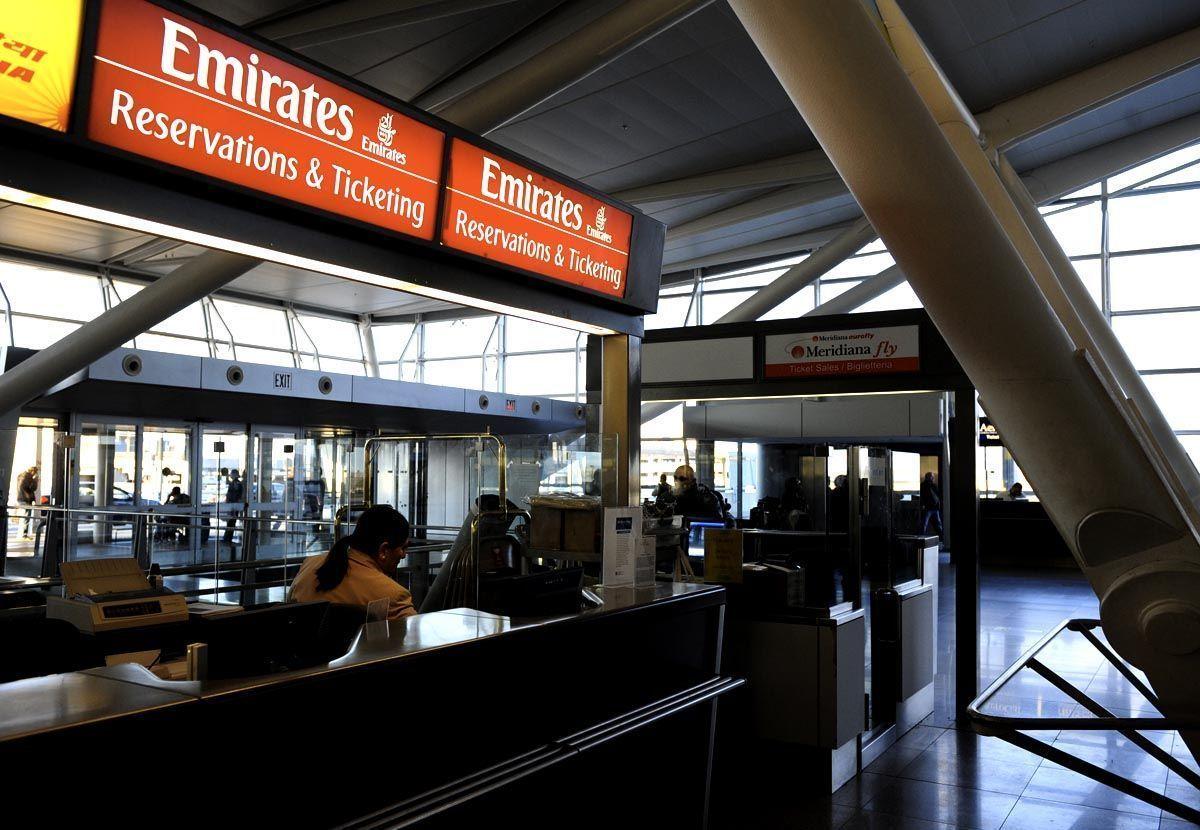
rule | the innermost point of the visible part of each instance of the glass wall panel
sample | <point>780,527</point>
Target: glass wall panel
<point>829,290</point>
<point>527,336</point>
<point>1154,220</point>
<point>467,373</point>
<point>390,341</point>
<point>345,367</point>
<point>796,305</point>
<point>29,287</point>
<point>902,296</point>
<point>1077,229</point>
<point>269,357</point>
<point>166,465</point>
<point>540,374</point>
<point>460,338</point>
<point>1177,396</point>
<point>1151,168</point>
<point>336,338</point>
<point>1155,280</point>
<point>173,345</point>
<point>255,325</point>
<point>190,322</point>
<point>717,306</point>
<point>1160,341</point>
<point>671,313</point>
<point>38,334</point>
<point>1089,271</point>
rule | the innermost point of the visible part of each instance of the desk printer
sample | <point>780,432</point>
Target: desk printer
<point>111,594</point>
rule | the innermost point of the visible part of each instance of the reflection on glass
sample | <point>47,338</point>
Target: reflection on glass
<point>166,465</point>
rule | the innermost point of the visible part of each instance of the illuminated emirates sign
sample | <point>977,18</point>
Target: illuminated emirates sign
<point>507,213</point>
<point>39,47</point>
<point>843,352</point>
<point>172,90</point>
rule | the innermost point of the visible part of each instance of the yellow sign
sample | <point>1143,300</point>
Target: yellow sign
<point>722,555</point>
<point>39,48</point>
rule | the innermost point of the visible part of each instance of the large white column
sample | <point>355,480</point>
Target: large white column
<point>1071,434</point>
<point>1034,242</point>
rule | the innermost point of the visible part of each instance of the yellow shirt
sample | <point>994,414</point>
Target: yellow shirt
<point>363,584</point>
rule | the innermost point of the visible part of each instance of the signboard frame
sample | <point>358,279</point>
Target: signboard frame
<point>646,238</point>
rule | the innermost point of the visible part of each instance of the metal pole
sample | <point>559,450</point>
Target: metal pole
<point>91,341</point>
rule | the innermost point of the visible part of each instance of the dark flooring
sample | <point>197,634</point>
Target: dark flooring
<point>940,775</point>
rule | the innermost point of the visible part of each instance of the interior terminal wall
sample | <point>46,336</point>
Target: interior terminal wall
<point>917,416</point>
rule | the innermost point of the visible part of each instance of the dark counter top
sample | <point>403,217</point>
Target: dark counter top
<point>57,701</point>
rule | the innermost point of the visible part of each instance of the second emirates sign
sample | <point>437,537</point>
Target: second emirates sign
<point>507,213</point>
<point>170,89</point>
<point>845,352</point>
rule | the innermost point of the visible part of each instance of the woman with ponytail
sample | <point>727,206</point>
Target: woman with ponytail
<point>358,568</point>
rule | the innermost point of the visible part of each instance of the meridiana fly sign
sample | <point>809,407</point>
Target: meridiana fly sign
<point>872,351</point>
<point>170,89</point>
<point>502,211</point>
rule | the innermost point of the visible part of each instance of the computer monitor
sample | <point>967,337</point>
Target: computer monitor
<point>533,595</point>
<point>265,640</point>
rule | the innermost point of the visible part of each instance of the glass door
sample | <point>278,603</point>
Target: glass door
<point>35,464</point>
<point>272,494</point>
<point>106,479</point>
<point>223,461</point>
<point>165,488</point>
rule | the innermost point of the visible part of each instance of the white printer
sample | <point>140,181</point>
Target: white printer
<point>111,594</point>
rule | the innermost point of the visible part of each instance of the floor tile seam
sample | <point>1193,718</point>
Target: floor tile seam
<point>1091,807</point>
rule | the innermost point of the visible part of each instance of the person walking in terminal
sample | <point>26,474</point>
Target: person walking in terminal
<point>235,493</point>
<point>357,570</point>
<point>27,491</point>
<point>931,504</point>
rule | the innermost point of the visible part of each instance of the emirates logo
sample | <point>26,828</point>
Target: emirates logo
<point>596,229</point>
<point>385,133</point>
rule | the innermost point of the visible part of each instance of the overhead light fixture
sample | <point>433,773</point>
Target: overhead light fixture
<point>149,226</point>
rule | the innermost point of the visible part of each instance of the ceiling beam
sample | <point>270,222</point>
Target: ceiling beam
<point>861,294</point>
<point>523,87</point>
<point>778,201</point>
<point>143,251</point>
<point>802,274</point>
<point>346,19</point>
<point>1056,103</point>
<point>783,246</point>
<point>357,18</point>
<point>1053,180</point>
<point>797,168</point>
<point>557,24</point>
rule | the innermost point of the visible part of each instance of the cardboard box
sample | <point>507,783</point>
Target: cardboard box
<point>545,528</point>
<point>581,530</point>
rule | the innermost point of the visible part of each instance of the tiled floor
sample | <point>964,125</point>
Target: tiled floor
<point>940,776</point>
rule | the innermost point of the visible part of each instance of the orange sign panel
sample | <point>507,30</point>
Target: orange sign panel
<point>507,213</point>
<point>172,90</point>
<point>39,48</point>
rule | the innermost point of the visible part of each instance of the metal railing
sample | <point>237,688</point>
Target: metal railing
<point>198,542</point>
<point>1010,729</point>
